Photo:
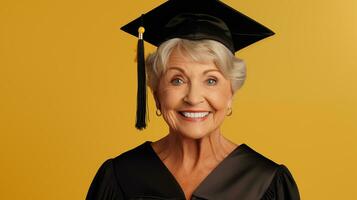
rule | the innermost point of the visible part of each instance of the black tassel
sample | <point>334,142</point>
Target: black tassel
<point>141,93</point>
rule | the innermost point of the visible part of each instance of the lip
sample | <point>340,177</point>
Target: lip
<point>194,111</point>
<point>193,119</point>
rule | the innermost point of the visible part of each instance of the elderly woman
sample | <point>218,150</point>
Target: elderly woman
<point>193,76</point>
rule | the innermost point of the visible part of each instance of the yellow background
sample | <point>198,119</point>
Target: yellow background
<point>68,92</point>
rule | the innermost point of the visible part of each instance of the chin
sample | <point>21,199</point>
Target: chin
<point>193,133</point>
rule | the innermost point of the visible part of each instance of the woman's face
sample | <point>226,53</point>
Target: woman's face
<point>193,97</point>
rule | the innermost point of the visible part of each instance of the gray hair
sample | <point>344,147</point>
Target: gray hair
<point>231,67</point>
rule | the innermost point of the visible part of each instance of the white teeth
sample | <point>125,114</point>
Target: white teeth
<point>195,114</point>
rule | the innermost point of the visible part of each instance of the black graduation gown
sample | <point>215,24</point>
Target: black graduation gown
<point>139,174</point>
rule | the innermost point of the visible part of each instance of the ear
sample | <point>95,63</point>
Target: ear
<point>157,102</point>
<point>230,102</point>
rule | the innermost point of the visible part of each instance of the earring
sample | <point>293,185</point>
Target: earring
<point>230,111</point>
<point>158,112</point>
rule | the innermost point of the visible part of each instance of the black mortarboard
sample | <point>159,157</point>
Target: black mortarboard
<point>194,20</point>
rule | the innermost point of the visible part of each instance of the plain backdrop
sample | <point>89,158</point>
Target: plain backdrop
<point>68,93</point>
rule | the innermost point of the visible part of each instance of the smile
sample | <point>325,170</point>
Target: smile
<point>194,116</point>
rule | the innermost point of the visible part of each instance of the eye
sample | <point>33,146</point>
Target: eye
<point>212,81</point>
<point>176,81</point>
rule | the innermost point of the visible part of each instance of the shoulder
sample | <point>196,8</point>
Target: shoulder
<point>111,178</point>
<point>257,162</point>
<point>136,166</point>
<point>279,183</point>
<point>283,186</point>
<point>133,159</point>
<point>104,185</point>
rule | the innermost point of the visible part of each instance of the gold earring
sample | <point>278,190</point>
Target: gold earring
<point>230,111</point>
<point>158,112</point>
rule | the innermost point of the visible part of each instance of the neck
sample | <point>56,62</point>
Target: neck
<point>187,155</point>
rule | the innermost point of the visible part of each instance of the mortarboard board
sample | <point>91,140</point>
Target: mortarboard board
<point>194,20</point>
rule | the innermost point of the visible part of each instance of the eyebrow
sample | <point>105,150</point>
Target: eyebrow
<point>211,70</point>
<point>177,68</point>
<point>183,71</point>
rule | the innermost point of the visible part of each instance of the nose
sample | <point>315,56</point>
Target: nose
<point>194,94</point>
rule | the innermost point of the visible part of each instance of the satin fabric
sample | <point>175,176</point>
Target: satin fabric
<point>195,26</point>
<point>244,174</point>
<point>244,31</point>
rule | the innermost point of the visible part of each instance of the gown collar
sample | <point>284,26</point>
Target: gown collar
<point>243,174</point>
<point>208,183</point>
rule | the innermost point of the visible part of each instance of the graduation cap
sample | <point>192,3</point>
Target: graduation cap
<point>193,20</point>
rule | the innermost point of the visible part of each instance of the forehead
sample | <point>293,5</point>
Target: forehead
<point>190,61</point>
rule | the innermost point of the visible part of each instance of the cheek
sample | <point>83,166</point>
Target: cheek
<point>169,98</point>
<point>219,98</point>
<point>219,102</point>
<point>166,93</point>
<point>169,101</point>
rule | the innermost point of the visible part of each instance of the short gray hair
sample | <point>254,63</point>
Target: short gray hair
<point>231,67</point>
